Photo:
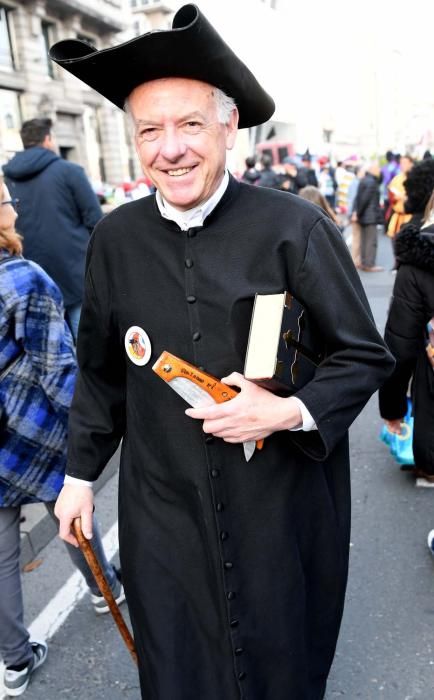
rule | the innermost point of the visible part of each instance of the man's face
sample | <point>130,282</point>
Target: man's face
<point>179,141</point>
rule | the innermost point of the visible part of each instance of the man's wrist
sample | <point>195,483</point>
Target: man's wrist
<point>306,422</point>
<point>74,481</point>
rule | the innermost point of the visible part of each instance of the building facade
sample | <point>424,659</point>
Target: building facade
<point>88,130</point>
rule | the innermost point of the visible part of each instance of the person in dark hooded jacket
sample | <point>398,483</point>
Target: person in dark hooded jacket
<point>57,211</point>
<point>369,215</point>
<point>412,308</point>
<point>268,178</point>
<point>250,175</point>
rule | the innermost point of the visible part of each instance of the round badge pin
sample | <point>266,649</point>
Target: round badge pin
<point>138,346</point>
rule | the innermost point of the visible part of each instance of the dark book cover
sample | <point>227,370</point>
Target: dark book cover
<point>287,345</point>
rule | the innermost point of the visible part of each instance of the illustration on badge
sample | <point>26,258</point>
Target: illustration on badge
<point>138,345</point>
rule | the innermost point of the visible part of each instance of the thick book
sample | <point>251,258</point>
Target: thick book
<point>279,356</point>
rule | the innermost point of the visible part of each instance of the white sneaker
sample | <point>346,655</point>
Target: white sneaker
<point>16,682</point>
<point>430,540</point>
<point>422,483</point>
<point>100,604</point>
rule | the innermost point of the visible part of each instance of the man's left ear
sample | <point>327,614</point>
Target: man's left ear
<point>48,142</point>
<point>232,129</point>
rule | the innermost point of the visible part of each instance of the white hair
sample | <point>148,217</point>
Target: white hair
<point>130,119</point>
<point>225,105</point>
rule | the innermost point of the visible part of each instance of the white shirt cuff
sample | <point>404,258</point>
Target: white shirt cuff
<point>77,482</point>
<point>308,422</point>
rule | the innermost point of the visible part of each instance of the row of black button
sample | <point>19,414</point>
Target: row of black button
<point>228,565</point>
<point>191,299</point>
<point>215,473</point>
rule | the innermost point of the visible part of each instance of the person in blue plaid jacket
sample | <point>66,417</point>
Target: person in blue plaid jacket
<point>37,378</point>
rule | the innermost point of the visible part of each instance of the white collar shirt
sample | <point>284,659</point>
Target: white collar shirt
<point>195,216</point>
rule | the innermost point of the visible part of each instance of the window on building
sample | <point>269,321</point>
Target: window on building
<point>131,170</point>
<point>102,169</point>
<point>10,123</point>
<point>6,50</point>
<point>48,40</point>
<point>93,144</point>
<point>282,152</point>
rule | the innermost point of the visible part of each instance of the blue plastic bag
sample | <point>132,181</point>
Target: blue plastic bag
<point>401,446</point>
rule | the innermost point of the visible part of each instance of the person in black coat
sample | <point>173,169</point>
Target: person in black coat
<point>234,571</point>
<point>250,175</point>
<point>369,215</point>
<point>268,177</point>
<point>406,334</point>
<point>57,211</point>
<point>289,180</point>
<point>306,174</point>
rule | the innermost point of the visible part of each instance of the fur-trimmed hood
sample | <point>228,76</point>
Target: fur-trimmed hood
<point>412,247</point>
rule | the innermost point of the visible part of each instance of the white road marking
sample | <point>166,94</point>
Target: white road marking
<point>61,606</point>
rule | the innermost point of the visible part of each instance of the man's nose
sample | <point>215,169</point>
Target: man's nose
<point>172,144</point>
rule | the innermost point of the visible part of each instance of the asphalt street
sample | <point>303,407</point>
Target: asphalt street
<point>385,651</point>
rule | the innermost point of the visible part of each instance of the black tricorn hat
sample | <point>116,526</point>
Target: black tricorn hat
<point>191,49</point>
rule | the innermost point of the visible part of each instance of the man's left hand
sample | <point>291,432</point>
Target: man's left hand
<point>394,426</point>
<point>252,415</point>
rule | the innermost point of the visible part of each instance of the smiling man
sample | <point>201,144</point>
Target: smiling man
<point>182,151</point>
<point>234,572</point>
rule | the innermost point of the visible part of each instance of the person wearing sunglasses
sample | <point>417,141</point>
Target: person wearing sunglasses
<point>11,202</point>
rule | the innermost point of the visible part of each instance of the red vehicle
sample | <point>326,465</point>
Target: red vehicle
<point>278,150</point>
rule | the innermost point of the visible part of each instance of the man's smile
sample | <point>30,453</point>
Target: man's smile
<point>178,172</point>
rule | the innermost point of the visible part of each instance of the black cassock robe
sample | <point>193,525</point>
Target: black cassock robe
<point>235,572</point>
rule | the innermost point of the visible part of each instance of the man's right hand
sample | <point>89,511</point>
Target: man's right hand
<point>74,501</point>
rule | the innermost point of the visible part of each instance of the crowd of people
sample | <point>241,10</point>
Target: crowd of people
<point>112,196</point>
<point>358,196</point>
<point>179,271</point>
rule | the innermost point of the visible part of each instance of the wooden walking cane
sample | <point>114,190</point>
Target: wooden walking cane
<point>103,586</point>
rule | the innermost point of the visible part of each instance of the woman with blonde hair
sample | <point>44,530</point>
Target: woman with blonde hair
<point>313,194</point>
<point>37,378</point>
